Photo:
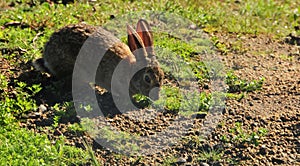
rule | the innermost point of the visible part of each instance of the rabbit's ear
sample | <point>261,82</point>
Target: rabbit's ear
<point>134,40</point>
<point>145,33</point>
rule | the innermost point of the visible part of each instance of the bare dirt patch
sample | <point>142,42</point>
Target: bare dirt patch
<point>276,107</point>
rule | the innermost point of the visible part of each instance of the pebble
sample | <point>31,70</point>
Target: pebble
<point>42,108</point>
<point>204,164</point>
<point>181,160</point>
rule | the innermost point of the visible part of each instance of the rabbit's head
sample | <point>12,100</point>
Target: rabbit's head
<point>149,78</point>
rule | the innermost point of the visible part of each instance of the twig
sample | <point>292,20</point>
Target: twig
<point>35,38</point>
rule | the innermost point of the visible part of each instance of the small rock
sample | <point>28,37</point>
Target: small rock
<point>204,164</point>
<point>181,160</point>
<point>250,103</point>
<point>272,152</point>
<point>277,160</point>
<point>263,150</point>
<point>189,158</point>
<point>193,26</point>
<point>255,98</point>
<point>255,67</point>
<point>42,108</point>
<point>248,117</point>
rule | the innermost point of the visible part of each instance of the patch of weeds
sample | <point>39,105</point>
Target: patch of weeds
<point>3,83</point>
<point>235,96</point>
<point>76,127</point>
<point>17,102</point>
<point>194,141</point>
<point>23,147</point>
<point>136,160</point>
<point>91,153</point>
<point>224,138</point>
<point>55,121</point>
<point>240,136</point>
<point>237,85</point>
<point>19,45</point>
<point>233,161</point>
<point>142,101</point>
<point>120,140</point>
<point>177,100</point>
<point>169,160</point>
<point>5,116</point>
<point>228,46</point>
<point>118,156</point>
<point>201,72</point>
<point>180,58</point>
<point>64,113</point>
<point>22,101</point>
<point>286,57</point>
<point>170,99</point>
<point>221,46</point>
<point>210,155</point>
<point>175,46</point>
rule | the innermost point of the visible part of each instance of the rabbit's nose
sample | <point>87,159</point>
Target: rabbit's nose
<point>154,93</point>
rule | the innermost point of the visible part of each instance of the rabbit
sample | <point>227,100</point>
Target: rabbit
<point>62,49</point>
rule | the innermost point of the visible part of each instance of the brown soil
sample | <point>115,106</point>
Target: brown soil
<point>276,108</point>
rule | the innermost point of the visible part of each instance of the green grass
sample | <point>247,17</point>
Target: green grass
<point>182,101</point>
<point>23,147</point>
<point>17,102</point>
<point>254,17</point>
<point>63,112</point>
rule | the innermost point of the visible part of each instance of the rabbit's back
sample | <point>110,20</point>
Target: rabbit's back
<point>64,46</point>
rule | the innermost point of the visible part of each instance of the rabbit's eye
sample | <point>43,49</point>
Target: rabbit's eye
<point>147,79</point>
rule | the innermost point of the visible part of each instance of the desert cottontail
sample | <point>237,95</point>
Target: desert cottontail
<point>61,53</point>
